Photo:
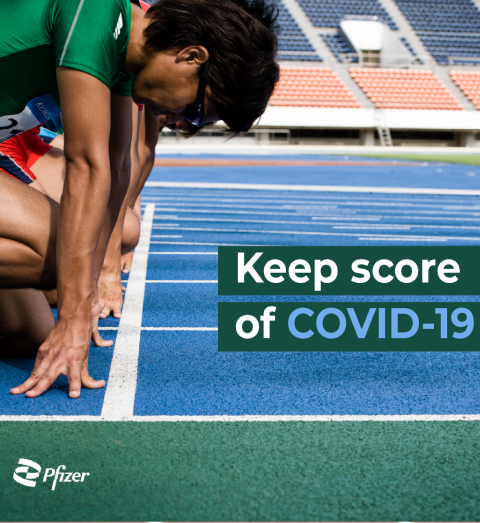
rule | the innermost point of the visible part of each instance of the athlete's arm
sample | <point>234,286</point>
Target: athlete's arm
<point>84,228</point>
<point>110,282</point>
<point>152,130</point>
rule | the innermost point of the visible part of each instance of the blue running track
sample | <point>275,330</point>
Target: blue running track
<point>181,373</point>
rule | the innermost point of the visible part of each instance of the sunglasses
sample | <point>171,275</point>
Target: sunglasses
<point>195,113</point>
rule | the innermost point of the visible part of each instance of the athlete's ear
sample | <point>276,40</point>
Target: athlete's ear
<point>195,55</point>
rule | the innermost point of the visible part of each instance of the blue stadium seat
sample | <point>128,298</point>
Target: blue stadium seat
<point>329,13</point>
<point>449,29</point>
<point>411,50</point>
<point>339,48</point>
<point>293,44</point>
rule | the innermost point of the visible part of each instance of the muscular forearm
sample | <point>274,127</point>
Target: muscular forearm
<point>109,245</point>
<point>82,217</point>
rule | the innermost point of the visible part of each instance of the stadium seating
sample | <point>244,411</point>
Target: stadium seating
<point>449,29</point>
<point>469,83</point>
<point>340,49</point>
<point>293,44</point>
<point>344,54</point>
<point>312,87</point>
<point>411,50</point>
<point>405,89</point>
<point>329,13</point>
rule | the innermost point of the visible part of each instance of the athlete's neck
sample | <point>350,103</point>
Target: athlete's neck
<point>137,56</point>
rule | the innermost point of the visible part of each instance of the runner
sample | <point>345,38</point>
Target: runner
<point>52,58</point>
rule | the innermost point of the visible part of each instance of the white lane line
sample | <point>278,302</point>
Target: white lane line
<point>319,233</point>
<point>329,224</point>
<point>252,418</point>
<point>252,196</point>
<point>405,239</point>
<point>203,243</point>
<point>440,205</point>
<point>164,329</point>
<point>120,394</point>
<point>166,235</point>
<point>188,253</point>
<point>315,188</point>
<point>181,281</point>
<point>471,211</point>
<point>318,215</point>
<point>376,227</point>
<point>179,328</point>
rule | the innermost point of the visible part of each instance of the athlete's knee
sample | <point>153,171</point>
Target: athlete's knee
<point>26,320</point>
<point>131,232</point>
<point>58,141</point>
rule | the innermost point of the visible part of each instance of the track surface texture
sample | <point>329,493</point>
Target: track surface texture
<point>183,432</point>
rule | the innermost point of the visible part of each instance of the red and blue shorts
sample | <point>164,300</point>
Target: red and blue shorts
<point>18,154</point>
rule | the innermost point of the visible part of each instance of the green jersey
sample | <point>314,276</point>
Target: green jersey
<point>36,36</point>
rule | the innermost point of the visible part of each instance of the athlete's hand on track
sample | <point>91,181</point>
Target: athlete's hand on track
<point>95,314</point>
<point>65,351</point>
<point>110,294</point>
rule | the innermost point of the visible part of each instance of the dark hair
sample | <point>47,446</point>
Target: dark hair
<point>240,38</point>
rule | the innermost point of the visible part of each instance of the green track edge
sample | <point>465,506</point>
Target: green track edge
<point>245,471</point>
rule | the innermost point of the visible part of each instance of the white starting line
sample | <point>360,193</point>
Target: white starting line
<point>252,418</point>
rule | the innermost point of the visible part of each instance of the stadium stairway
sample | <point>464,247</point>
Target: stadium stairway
<point>308,29</point>
<point>405,29</point>
<point>469,83</point>
<point>344,73</point>
<point>444,74</point>
<point>313,34</point>
<point>293,43</point>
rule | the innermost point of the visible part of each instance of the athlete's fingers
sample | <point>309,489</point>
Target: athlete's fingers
<point>44,382</point>
<point>41,367</point>
<point>26,385</point>
<point>105,312</point>
<point>117,310</point>
<point>87,381</point>
<point>99,341</point>
<point>74,379</point>
<point>124,288</point>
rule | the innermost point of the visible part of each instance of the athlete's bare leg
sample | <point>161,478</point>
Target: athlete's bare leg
<point>50,173</point>
<point>58,141</point>
<point>25,321</point>
<point>28,228</point>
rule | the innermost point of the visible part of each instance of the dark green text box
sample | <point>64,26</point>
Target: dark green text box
<point>451,320</point>
<point>467,258</point>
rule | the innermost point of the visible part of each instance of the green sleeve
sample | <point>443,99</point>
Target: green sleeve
<point>124,85</point>
<point>91,36</point>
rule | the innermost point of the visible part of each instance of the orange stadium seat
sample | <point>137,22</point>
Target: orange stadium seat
<point>469,83</point>
<point>312,87</point>
<point>405,89</point>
